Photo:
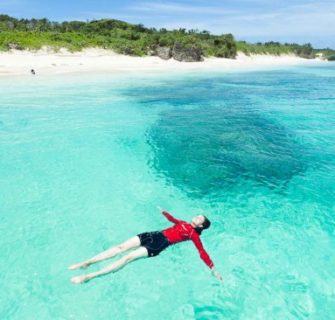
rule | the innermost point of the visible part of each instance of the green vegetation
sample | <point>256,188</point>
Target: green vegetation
<point>107,33</point>
<point>128,38</point>
<point>276,48</point>
<point>327,53</point>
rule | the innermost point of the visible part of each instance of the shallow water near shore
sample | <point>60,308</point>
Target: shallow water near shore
<point>85,160</point>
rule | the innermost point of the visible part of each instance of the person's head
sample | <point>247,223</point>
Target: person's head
<point>200,223</point>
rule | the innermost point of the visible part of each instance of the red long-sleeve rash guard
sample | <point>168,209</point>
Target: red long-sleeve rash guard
<point>182,231</point>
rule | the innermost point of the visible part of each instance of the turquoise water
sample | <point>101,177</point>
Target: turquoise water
<point>85,160</point>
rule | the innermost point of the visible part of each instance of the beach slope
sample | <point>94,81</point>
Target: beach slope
<point>46,61</point>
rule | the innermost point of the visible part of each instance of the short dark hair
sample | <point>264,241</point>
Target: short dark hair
<point>206,224</point>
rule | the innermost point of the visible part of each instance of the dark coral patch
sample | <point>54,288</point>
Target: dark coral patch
<point>205,150</point>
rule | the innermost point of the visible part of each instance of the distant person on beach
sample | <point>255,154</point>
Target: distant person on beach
<point>32,71</point>
<point>150,244</point>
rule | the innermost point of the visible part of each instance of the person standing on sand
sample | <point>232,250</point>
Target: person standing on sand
<point>151,244</point>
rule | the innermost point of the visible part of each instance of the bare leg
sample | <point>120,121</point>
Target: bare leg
<point>131,243</point>
<point>141,252</point>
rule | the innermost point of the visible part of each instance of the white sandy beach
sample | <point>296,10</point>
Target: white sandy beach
<point>45,61</point>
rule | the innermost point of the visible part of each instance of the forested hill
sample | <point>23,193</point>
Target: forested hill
<point>132,39</point>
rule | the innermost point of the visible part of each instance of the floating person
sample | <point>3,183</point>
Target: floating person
<point>151,244</point>
<point>32,71</point>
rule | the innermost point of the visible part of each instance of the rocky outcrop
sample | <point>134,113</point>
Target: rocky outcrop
<point>187,54</point>
<point>151,52</point>
<point>164,52</point>
<point>128,51</point>
<point>14,46</point>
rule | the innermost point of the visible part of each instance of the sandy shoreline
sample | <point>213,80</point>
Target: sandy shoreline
<point>46,62</point>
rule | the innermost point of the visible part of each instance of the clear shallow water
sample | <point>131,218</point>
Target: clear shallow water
<point>84,161</point>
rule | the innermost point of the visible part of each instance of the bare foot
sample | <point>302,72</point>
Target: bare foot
<point>79,279</point>
<point>82,265</point>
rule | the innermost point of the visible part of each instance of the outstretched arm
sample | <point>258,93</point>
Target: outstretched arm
<point>203,254</point>
<point>170,217</point>
<point>205,257</point>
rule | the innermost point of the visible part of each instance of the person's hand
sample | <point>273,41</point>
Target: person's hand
<point>217,275</point>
